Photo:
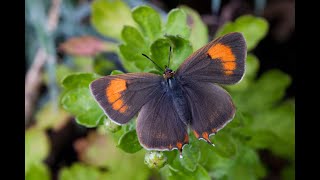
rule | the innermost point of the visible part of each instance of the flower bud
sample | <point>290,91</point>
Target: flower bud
<point>111,126</point>
<point>155,159</point>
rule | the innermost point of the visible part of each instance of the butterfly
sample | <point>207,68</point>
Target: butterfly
<point>189,97</point>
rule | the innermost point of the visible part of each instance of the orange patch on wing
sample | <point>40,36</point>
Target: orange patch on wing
<point>179,145</point>
<point>214,130</point>
<point>223,52</point>
<point>117,105</point>
<point>229,66</point>
<point>123,109</point>
<point>114,89</point>
<point>225,55</point>
<point>196,134</point>
<point>186,138</point>
<point>205,135</point>
<point>113,93</point>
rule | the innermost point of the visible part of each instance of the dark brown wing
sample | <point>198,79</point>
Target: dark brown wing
<point>122,96</point>
<point>159,126</point>
<point>221,61</point>
<point>211,108</point>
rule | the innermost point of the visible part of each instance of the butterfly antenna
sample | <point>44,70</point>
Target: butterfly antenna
<point>169,56</point>
<point>153,62</point>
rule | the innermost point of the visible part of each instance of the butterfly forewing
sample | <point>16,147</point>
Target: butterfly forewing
<point>221,61</point>
<point>122,96</point>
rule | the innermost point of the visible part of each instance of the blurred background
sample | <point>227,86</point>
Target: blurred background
<point>66,36</point>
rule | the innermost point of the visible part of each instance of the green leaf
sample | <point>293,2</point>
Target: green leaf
<point>76,100</point>
<point>199,173</point>
<point>80,102</point>
<point>205,151</point>
<point>109,17</point>
<point>218,166</point>
<point>91,118</point>
<point>62,71</point>
<point>225,146</point>
<point>132,50</point>
<point>115,72</point>
<point>252,66</point>
<point>251,69</point>
<point>78,80</point>
<point>277,127</point>
<point>199,30</point>
<point>191,157</point>
<point>38,171</point>
<point>129,142</point>
<point>79,171</point>
<point>171,155</point>
<point>149,22</point>
<point>133,61</point>
<point>177,24</point>
<point>160,52</point>
<point>263,94</point>
<point>237,122</point>
<point>36,147</point>
<point>253,28</point>
<point>178,175</point>
<point>175,165</point>
<point>261,140</point>
<point>181,49</point>
<point>271,86</point>
<point>245,165</point>
<point>150,25</point>
<point>132,36</point>
<point>103,66</point>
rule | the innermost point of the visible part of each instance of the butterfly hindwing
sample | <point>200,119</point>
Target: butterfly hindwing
<point>159,126</point>
<point>122,96</point>
<point>211,108</point>
<point>221,61</point>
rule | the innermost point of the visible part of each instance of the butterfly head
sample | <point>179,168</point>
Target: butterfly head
<point>168,73</point>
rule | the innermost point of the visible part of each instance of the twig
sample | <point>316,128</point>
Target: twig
<point>33,82</point>
<point>33,77</point>
<point>53,18</point>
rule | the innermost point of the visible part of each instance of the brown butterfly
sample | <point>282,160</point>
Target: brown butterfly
<point>188,97</point>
